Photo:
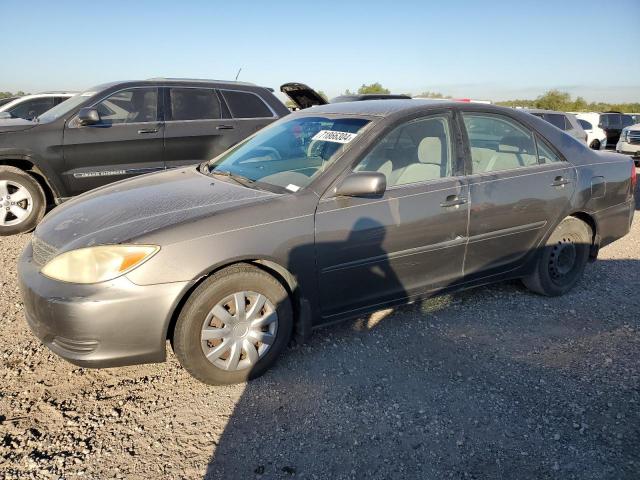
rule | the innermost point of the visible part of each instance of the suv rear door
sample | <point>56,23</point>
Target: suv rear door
<point>203,122</point>
<point>126,142</point>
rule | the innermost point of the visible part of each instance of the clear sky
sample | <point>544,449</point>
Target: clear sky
<point>480,49</point>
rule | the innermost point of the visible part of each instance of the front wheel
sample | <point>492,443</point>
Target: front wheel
<point>561,262</point>
<point>22,201</point>
<point>595,145</point>
<point>233,326</point>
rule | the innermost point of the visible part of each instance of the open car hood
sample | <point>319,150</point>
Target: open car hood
<point>302,95</point>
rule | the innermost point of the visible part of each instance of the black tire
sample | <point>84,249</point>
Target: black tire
<point>186,338</point>
<point>15,176</point>
<point>561,262</point>
<point>595,145</point>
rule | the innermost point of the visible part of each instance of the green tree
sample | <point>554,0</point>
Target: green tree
<point>428,94</point>
<point>372,88</point>
<point>553,100</point>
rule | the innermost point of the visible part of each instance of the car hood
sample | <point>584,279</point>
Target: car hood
<point>125,210</point>
<point>15,124</point>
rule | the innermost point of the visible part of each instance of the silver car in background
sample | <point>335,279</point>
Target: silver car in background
<point>566,122</point>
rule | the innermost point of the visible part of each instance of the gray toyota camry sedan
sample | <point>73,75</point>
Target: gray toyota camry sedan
<point>329,213</point>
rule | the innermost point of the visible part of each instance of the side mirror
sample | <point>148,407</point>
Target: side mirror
<point>5,115</point>
<point>362,184</point>
<point>88,116</point>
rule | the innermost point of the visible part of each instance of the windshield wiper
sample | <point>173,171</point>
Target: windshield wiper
<point>241,180</point>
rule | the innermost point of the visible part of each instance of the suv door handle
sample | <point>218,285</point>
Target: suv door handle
<point>224,127</point>
<point>147,130</point>
<point>560,182</point>
<point>453,201</point>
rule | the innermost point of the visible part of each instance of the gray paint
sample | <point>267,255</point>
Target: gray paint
<point>343,256</point>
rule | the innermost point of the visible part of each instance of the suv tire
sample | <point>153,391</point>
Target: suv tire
<point>22,201</point>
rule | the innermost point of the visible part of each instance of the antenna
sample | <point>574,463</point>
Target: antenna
<point>238,74</point>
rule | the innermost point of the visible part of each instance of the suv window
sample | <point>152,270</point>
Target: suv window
<point>414,152</point>
<point>498,143</point>
<point>32,108</point>
<point>129,106</point>
<point>627,120</point>
<point>246,105</point>
<point>194,104</point>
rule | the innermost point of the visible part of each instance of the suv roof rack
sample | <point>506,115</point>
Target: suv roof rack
<point>178,79</point>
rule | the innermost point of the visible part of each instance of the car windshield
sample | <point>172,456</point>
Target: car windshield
<point>289,154</point>
<point>64,107</point>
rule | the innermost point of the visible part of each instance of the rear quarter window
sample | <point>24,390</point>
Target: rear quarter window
<point>246,105</point>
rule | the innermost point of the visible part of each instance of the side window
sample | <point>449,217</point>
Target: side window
<point>545,154</point>
<point>129,106</point>
<point>246,105</point>
<point>32,108</point>
<point>557,120</point>
<point>498,143</point>
<point>417,151</point>
<point>194,104</point>
<point>585,125</point>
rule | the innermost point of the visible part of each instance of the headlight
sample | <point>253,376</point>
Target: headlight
<point>97,264</point>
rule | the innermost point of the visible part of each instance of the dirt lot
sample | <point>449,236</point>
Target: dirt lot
<point>490,383</point>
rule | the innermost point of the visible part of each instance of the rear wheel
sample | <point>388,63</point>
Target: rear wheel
<point>233,326</point>
<point>561,262</point>
<point>22,201</point>
<point>595,145</point>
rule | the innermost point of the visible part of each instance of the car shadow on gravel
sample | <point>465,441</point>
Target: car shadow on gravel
<point>493,382</point>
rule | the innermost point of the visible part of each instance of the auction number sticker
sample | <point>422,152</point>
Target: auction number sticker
<point>333,136</point>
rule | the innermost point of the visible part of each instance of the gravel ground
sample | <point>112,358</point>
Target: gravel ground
<point>490,383</point>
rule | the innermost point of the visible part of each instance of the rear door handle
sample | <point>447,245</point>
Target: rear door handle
<point>224,127</point>
<point>560,182</point>
<point>453,201</point>
<point>147,130</point>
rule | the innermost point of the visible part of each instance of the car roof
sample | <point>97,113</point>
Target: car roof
<point>172,81</point>
<point>376,107</point>
<point>542,110</point>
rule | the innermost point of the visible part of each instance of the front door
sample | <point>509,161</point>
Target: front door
<point>519,188</point>
<point>126,142</point>
<point>372,251</point>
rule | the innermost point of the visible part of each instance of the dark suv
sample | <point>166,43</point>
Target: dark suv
<point>118,130</point>
<point>612,123</point>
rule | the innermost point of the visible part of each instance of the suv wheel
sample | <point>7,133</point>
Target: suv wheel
<point>22,201</point>
<point>562,260</point>
<point>233,326</point>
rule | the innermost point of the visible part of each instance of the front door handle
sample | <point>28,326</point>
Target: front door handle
<point>560,182</point>
<point>453,201</point>
<point>147,130</point>
<point>224,127</point>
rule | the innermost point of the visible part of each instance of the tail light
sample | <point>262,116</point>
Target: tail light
<point>634,177</point>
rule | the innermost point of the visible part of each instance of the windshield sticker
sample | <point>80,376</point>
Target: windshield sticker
<point>332,136</point>
<point>293,188</point>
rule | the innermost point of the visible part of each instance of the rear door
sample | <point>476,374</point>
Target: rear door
<point>126,142</point>
<point>519,188</point>
<point>201,123</point>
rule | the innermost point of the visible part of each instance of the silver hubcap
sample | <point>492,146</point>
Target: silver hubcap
<point>239,330</point>
<point>15,203</point>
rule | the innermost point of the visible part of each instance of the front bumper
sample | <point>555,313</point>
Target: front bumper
<point>632,149</point>
<point>103,325</point>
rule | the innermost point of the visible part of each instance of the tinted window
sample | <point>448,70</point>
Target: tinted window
<point>586,125</point>
<point>246,105</point>
<point>557,120</point>
<point>129,106</point>
<point>545,154</point>
<point>611,120</point>
<point>32,108</point>
<point>417,151</point>
<point>194,104</point>
<point>498,143</point>
<point>627,120</point>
